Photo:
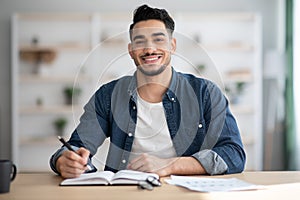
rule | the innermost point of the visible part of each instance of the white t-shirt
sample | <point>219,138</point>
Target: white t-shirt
<point>152,134</point>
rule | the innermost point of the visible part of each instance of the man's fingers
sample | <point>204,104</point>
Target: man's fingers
<point>84,154</point>
<point>71,155</point>
<point>75,164</point>
<point>141,163</point>
<point>135,165</point>
<point>70,169</point>
<point>71,172</point>
<point>148,163</point>
<point>71,164</point>
<point>81,155</point>
<point>140,158</point>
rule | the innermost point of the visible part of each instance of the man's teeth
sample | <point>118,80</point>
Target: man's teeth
<point>150,59</point>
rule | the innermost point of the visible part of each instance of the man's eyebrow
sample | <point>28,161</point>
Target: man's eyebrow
<point>158,34</point>
<point>153,35</point>
<point>138,37</point>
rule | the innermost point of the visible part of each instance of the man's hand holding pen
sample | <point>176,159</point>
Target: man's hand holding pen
<point>73,163</point>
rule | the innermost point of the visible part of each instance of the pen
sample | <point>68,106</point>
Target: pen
<point>70,148</point>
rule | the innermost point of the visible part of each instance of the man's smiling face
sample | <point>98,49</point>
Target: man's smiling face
<point>151,47</point>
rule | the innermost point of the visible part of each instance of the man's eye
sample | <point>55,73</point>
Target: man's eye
<point>159,40</point>
<point>139,42</point>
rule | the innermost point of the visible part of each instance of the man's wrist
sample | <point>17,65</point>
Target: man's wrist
<point>57,164</point>
<point>172,167</point>
<point>184,166</point>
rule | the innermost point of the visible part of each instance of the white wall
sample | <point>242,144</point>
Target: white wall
<point>267,8</point>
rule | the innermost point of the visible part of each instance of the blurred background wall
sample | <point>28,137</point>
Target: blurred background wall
<point>272,12</point>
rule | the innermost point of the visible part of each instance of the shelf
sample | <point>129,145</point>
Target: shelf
<point>228,47</point>
<point>242,74</point>
<point>58,16</point>
<point>38,140</point>
<point>64,46</point>
<point>32,78</point>
<point>64,109</point>
<point>238,78</point>
<point>219,16</point>
<point>113,43</point>
<point>241,109</point>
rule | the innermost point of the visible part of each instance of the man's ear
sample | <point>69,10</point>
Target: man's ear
<point>173,45</point>
<point>130,50</point>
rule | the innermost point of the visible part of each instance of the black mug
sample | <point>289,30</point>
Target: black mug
<point>8,172</point>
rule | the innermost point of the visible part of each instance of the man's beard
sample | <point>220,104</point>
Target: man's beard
<point>152,72</point>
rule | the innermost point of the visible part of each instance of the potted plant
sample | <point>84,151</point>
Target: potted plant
<point>235,91</point>
<point>60,124</point>
<point>201,68</point>
<point>39,101</point>
<point>72,95</point>
<point>240,86</point>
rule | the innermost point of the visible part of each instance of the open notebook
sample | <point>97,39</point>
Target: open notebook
<point>123,177</point>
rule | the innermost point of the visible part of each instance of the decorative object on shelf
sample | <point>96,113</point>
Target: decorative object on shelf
<point>37,54</point>
<point>72,94</point>
<point>60,124</point>
<point>201,68</point>
<point>234,90</point>
<point>237,81</point>
<point>197,38</point>
<point>35,40</point>
<point>39,101</point>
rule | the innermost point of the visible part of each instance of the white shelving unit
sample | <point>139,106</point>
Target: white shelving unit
<point>231,54</point>
<point>230,48</point>
<point>47,51</point>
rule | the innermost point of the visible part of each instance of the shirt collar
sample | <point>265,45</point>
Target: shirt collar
<point>171,92</point>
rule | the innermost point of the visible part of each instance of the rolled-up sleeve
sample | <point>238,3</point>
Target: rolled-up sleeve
<point>211,162</point>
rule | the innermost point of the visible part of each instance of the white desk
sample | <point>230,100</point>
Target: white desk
<point>41,186</point>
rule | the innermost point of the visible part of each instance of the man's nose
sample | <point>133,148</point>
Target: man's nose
<point>149,47</point>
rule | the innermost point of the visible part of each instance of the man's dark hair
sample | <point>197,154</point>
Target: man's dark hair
<point>145,12</point>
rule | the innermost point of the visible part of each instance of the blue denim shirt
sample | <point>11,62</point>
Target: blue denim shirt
<point>197,113</point>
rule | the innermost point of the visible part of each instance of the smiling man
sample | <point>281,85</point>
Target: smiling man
<point>158,120</point>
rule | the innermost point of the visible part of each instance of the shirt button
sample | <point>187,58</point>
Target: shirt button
<point>200,126</point>
<point>130,134</point>
<point>133,107</point>
<point>173,99</point>
<point>124,161</point>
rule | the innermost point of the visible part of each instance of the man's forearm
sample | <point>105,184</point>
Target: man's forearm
<point>183,166</point>
<point>203,162</point>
